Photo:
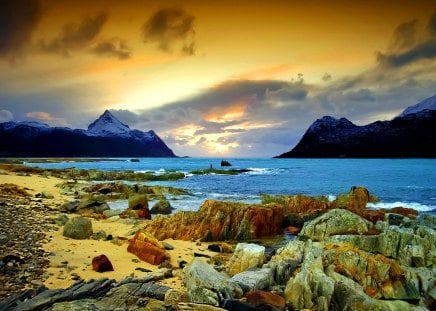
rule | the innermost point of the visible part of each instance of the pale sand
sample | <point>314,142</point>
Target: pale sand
<point>71,257</point>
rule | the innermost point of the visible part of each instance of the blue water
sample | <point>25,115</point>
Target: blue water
<point>397,182</point>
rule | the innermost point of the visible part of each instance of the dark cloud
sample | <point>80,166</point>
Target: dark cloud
<point>405,49</point>
<point>75,36</point>
<point>365,95</point>
<point>171,29</point>
<point>112,48</point>
<point>216,127</point>
<point>404,35</point>
<point>18,20</point>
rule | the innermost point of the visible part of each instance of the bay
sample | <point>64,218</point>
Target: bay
<point>397,182</point>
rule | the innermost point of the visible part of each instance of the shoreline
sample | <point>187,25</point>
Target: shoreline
<point>254,260</point>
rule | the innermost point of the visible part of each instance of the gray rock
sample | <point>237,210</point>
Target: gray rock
<point>246,256</point>
<point>61,220</point>
<point>99,235</point>
<point>255,278</point>
<point>206,285</point>
<point>335,222</point>
<point>4,238</point>
<point>70,207</point>
<point>78,228</point>
<point>163,206</point>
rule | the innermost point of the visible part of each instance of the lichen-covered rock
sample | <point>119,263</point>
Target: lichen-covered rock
<point>246,256</point>
<point>335,222</point>
<point>381,277</point>
<point>218,221</point>
<point>310,284</point>
<point>286,260</point>
<point>147,248</point>
<point>208,286</point>
<point>78,228</point>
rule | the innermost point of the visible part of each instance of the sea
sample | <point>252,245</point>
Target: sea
<point>396,182</point>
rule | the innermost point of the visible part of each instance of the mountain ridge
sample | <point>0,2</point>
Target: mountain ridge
<point>106,136</point>
<point>411,134</point>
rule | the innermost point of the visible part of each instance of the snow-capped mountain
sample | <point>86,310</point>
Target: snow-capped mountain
<point>105,137</point>
<point>108,125</point>
<point>426,104</point>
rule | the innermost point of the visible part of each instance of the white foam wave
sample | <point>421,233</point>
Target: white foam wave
<point>331,197</point>
<point>417,206</point>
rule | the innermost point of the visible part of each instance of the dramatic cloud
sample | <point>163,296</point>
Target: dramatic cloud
<point>18,19</point>
<point>5,116</point>
<point>75,36</point>
<point>404,36</point>
<point>405,49</point>
<point>112,48</point>
<point>171,29</point>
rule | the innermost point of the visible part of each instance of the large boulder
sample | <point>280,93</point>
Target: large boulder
<point>381,277</point>
<point>208,286</point>
<point>78,228</point>
<point>335,222</point>
<point>147,248</point>
<point>246,256</point>
<point>217,221</point>
<point>356,199</point>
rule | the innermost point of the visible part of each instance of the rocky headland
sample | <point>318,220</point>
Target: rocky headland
<point>63,248</point>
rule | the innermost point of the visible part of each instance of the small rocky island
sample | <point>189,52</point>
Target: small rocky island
<point>68,250</point>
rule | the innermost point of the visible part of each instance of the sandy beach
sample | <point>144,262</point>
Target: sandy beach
<point>71,259</point>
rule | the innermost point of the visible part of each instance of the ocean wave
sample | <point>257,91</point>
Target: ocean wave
<point>417,206</point>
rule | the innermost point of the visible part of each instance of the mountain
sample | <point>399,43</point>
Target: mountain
<point>429,103</point>
<point>409,135</point>
<point>105,137</point>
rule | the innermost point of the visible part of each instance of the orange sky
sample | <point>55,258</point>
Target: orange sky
<point>64,62</point>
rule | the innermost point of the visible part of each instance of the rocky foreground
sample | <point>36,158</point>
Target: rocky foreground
<point>341,255</point>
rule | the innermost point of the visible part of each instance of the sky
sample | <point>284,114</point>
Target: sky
<point>215,78</point>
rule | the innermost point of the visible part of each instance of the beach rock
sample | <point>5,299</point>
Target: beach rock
<point>102,264</point>
<point>265,299</point>
<point>92,205</point>
<point>218,221</point>
<point>147,248</point>
<point>237,305</point>
<point>310,284</point>
<point>78,228</point>
<point>286,260</point>
<point>208,286</point>
<point>163,206</point>
<point>356,199</point>
<point>138,207</point>
<point>70,207</point>
<point>335,222</point>
<point>99,235</point>
<point>189,306</point>
<point>254,278</point>
<point>246,256</point>
<point>138,202</point>
<point>44,195</point>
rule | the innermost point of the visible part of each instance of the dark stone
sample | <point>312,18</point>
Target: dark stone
<point>214,248</point>
<point>102,264</point>
<point>201,255</point>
